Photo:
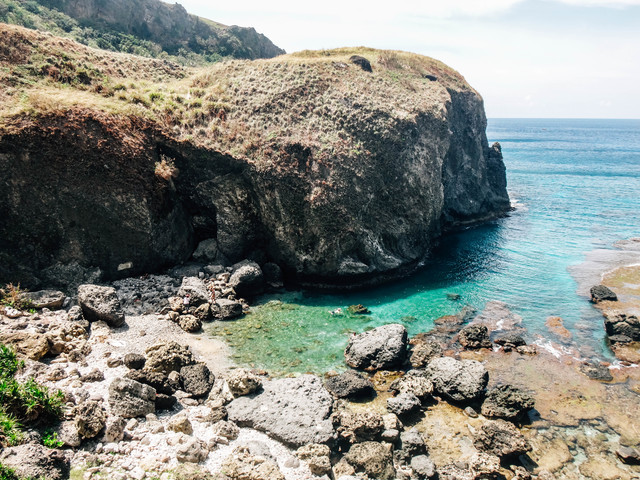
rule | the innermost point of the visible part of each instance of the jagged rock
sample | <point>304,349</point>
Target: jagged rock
<point>129,399</point>
<point>474,336</point>
<point>411,444</point>
<point>362,62</point>
<point>36,461</point>
<point>196,289</point>
<point>190,450</point>
<point>90,418</point>
<point>160,382</point>
<point>197,379</point>
<point>415,382</point>
<point>350,385</point>
<point>628,455</point>
<point>31,345</point>
<point>51,299</point>
<point>403,404</point>
<point>181,424</point>
<point>168,357</point>
<point>228,430</point>
<point>423,467</point>
<point>134,361</point>
<point>510,339</point>
<point>243,382</point>
<point>225,309</point>
<point>247,279</point>
<point>601,293</point>
<point>189,323</point>
<point>502,439</point>
<point>483,465</point>
<point>317,457</point>
<point>506,401</point>
<point>460,381</point>
<point>622,323</point>
<point>373,458</point>
<point>295,411</point>
<point>423,351</point>
<point>100,303</point>
<point>242,465</point>
<point>114,429</point>
<point>381,348</point>
<point>358,426</point>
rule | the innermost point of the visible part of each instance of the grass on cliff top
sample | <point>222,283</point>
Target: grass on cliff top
<point>266,111</point>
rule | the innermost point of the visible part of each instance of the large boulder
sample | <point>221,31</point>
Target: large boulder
<point>624,324</point>
<point>373,458</point>
<point>381,348</point>
<point>100,303</point>
<point>195,289</point>
<point>225,309</point>
<point>349,385</point>
<point>36,461</point>
<point>129,399</point>
<point>601,293</point>
<point>197,379</point>
<point>168,357</point>
<point>247,279</point>
<point>90,418</point>
<point>474,336</point>
<point>502,439</point>
<point>295,411</point>
<point>506,401</point>
<point>460,381</point>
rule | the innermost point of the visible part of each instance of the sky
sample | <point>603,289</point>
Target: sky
<point>527,58</point>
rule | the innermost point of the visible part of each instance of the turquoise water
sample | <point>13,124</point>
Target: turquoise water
<point>576,188</point>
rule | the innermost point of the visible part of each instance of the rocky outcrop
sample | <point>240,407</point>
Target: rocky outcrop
<point>622,326</point>
<point>506,401</point>
<point>460,381</point>
<point>601,293</point>
<point>381,348</point>
<point>502,439</point>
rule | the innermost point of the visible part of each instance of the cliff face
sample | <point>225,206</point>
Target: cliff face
<point>341,176</point>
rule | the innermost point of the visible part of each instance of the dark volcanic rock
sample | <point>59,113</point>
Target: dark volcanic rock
<point>506,401</point>
<point>381,348</point>
<point>474,336</point>
<point>601,293</point>
<point>158,380</point>
<point>295,411</point>
<point>349,385</point>
<point>100,303</point>
<point>362,62</point>
<point>134,361</point>
<point>502,439</point>
<point>197,379</point>
<point>621,323</point>
<point>511,339</point>
<point>460,381</point>
<point>36,461</point>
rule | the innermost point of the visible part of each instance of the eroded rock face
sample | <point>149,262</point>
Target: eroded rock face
<point>295,411</point>
<point>622,324</point>
<point>460,381</point>
<point>381,348</point>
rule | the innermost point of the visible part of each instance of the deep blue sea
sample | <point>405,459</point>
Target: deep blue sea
<point>575,185</point>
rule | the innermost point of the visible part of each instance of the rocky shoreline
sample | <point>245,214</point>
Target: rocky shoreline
<point>145,398</point>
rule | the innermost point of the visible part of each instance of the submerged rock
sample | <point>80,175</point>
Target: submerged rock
<point>295,411</point>
<point>460,381</point>
<point>381,348</point>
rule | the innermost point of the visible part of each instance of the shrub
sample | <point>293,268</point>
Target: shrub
<point>7,473</point>
<point>166,169</point>
<point>50,439</point>
<point>12,296</point>
<point>9,363</point>
<point>10,432</point>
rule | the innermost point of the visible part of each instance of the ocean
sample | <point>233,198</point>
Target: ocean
<point>575,186</point>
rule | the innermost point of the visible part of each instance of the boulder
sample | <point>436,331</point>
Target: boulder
<point>168,357</point>
<point>600,293</point>
<point>160,382</point>
<point>247,279</point>
<point>317,458</point>
<point>68,434</point>
<point>423,351</point>
<point>628,455</point>
<point>484,465</point>
<point>241,464</point>
<point>622,323</point>
<point>373,458</point>
<point>36,461</point>
<point>358,426</point>
<point>506,401</point>
<point>350,385</point>
<point>596,371</point>
<point>510,339</point>
<point>423,467</point>
<point>180,423</point>
<point>295,411</point>
<point>100,303</point>
<point>474,336</point>
<point>129,399</point>
<point>243,382</point>
<point>90,418</point>
<point>190,450</point>
<point>403,404</point>
<point>381,348</point>
<point>197,379</point>
<point>196,289</point>
<point>134,361</point>
<point>225,309</point>
<point>51,299</point>
<point>189,323</point>
<point>502,439</point>
<point>460,381</point>
<point>411,444</point>
<point>207,251</point>
<point>32,345</point>
<point>415,382</point>
<point>114,429</point>
<point>362,62</point>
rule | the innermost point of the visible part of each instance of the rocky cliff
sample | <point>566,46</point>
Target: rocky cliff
<point>339,175</point>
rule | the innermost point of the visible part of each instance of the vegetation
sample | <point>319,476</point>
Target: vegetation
<point>12,296</point>
<point>50,439</point>
<point>7,473</point>
<point>22,402</point>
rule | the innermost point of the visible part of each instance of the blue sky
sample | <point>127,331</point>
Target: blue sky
<point>528,58</point>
